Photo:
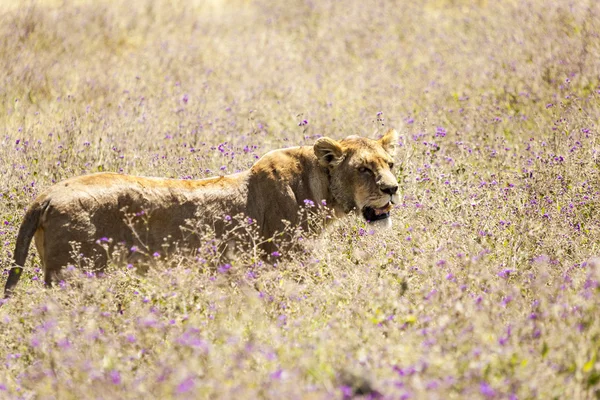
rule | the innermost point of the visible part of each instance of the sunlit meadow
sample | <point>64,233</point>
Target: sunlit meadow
<point>486,287</point>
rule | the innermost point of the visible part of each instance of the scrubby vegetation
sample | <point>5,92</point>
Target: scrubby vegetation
<point>486,287</point>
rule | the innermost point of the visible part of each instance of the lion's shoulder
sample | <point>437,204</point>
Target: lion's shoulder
<point>288,164</point>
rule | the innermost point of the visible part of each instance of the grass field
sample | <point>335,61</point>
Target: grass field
<point>487,286</point>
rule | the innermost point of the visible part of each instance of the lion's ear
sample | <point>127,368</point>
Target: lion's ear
<point>328,152</point>
<point>389,141</point>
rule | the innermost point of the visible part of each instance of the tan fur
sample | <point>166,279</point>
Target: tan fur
<point>86,209</point>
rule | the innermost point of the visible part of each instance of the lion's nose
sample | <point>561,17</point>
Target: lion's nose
<point>391,190</point>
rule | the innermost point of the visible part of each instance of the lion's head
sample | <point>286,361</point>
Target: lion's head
<point>360,171</point>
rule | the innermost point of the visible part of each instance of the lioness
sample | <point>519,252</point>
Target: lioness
<point>351,174</point>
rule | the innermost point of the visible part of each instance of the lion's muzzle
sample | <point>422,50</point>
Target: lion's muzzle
<point>372,214</point>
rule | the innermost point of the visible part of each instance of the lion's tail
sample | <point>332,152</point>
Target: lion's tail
<point>26,231</point>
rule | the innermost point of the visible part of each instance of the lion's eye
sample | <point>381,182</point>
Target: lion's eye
<point>363,170</point>
<point>391,165</point>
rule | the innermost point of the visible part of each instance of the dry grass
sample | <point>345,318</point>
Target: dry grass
<point>487,285</point>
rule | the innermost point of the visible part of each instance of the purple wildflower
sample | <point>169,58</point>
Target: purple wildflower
<point>224,268</point>
<point>186,385</point>
<point>309,203</point>
<point>505,273</point>
<point>277,374</point>
<point>486,389</point>
<point>346,391</point>
<point>115,377</point>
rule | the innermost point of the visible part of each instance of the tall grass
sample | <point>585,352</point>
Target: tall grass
<point>486,287</point>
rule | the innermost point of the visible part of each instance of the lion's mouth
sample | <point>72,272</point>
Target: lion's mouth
<point>375,214</point>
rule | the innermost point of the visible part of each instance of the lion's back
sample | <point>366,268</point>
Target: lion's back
<point>116,207</point>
